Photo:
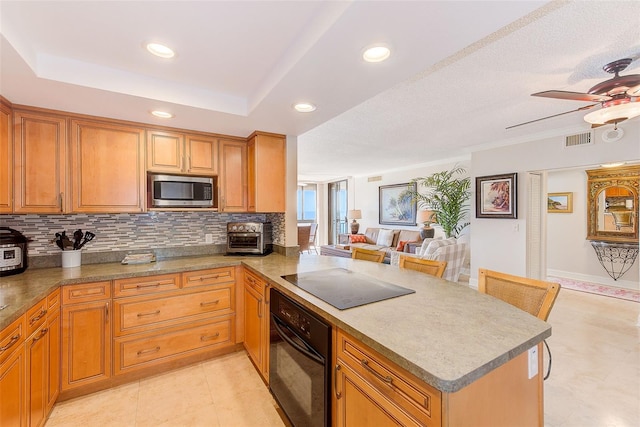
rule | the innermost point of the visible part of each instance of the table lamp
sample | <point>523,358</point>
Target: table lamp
<point>355,214</point>
<point>426,217</point>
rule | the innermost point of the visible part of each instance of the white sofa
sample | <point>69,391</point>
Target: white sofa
<point>450,250</point>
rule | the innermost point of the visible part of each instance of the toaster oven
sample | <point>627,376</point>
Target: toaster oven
<point>249,238</point>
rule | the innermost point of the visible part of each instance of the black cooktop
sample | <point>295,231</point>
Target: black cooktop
<point>344,288</point>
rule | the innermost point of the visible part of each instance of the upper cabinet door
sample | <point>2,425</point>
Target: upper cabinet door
<point>267,167</point>
<point>40,150</point>
<point>233,176</point>
<point>201,154</point>
<point>107,167</point>
<point>165,151</point>
<point>6,158</point>
<point>177,153</point>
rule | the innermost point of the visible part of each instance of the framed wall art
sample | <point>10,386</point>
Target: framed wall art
<point>396,206</point>
<point>560,202</point>
<point>496,196</point>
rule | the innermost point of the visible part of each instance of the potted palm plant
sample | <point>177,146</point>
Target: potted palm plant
<point>447,196</point>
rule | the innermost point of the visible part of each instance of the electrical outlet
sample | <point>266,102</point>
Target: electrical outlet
<point>208,238</point>
<point>533,362</point>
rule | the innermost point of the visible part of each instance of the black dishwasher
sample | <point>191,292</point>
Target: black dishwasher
<point>299,362</point>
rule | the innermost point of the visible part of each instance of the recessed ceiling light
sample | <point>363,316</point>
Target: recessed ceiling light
<point>304,107</point>
<point>376,54</point>
<point>160,50</point>
<point>162,114</point>
<point>612,165</point>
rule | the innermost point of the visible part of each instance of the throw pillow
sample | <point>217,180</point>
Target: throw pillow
<point>401,245</point>
<point>425,245</point>
<point>357,238</point>
<point>437,244</point>
<point>385,238</point>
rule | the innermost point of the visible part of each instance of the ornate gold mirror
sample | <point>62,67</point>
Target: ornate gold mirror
<point>612,204</point>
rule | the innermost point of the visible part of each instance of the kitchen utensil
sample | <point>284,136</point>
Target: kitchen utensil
<point>77,238</point>
<point>58,241</point>
<point>88,236</point>
<point>66,242</point>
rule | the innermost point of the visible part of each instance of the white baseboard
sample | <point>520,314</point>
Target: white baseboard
<point>625,284</point>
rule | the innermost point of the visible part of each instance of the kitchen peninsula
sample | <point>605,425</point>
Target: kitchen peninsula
<point>479,357</point>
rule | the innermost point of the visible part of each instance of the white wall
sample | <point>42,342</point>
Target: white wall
<point>569,254</point>
<point>500,244</point>
<point>364,195</point>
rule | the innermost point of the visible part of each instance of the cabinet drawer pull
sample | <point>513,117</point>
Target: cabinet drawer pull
<point>209,337</point>
<point>211,276</point>
<point>14,339</point>
<point>260,308</point>
<point>42,334</point>
<point>38,317</point>
<point>387,379</point>
<point>153,313</point>
<point>150,350</point>
<point>204,304</point>
<point>148,285</point>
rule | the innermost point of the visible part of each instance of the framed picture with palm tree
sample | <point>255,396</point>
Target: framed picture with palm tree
<point>496,196</point>
<point>396,205</point>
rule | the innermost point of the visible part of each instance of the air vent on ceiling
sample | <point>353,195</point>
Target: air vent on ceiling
<point>578,139</point>
<point>374,178</point>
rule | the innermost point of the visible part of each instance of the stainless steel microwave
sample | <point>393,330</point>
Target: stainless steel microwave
<point>181,191</point>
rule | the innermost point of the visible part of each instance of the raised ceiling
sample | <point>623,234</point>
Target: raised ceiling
<point>459,72</point>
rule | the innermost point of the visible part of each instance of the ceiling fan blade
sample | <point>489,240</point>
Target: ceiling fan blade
<point>586,107</point>
<point>572,96</point>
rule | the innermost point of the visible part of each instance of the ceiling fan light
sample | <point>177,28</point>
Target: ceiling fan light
<point>614,114</point>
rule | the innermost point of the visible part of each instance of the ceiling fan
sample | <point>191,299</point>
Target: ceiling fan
<point>618,96</point>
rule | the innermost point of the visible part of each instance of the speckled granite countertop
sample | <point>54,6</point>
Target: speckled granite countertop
<point>447,334</point>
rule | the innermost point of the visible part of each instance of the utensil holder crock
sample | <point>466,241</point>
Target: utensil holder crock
<point>71,259</point>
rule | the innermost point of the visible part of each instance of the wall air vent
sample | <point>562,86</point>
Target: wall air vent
<point>374,178</point>
<point>578,139</point>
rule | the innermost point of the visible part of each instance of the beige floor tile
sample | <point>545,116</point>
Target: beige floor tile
<point>114,407</point>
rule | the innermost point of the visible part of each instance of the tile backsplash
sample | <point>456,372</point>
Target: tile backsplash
<point>121,232</point>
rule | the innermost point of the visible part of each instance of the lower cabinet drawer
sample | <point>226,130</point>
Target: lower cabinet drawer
<point>138,315</point>
<point>136,353</point>
<point>409,393</point>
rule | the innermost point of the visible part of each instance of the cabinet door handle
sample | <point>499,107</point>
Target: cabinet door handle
<point>209,337</point>
<point>188,163</point>
<point>335,381</point>
<point>266,293</point>
<point>152,313</point>
<point>14,339</point>
<point>150,350</point>
<point>106,312</point>
<point>61,197</point>
<point>204,304</point>
<point>38,317</point>
<point>387,379</point>
<point>42,334</point>
<point>148,285</point>
<point>260,308</point>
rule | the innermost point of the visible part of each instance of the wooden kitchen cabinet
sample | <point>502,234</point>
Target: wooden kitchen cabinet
<point>256,322</point>
<point>13,375</point>
<point>6,156</point>
<point>266,173</point>
<point>86,334</point>
<point>372,391</point>
<point>107,167</point>
<point>40,167</point>
<point>172,152</point>
<point>167,318</point>
<point>233,176</point>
